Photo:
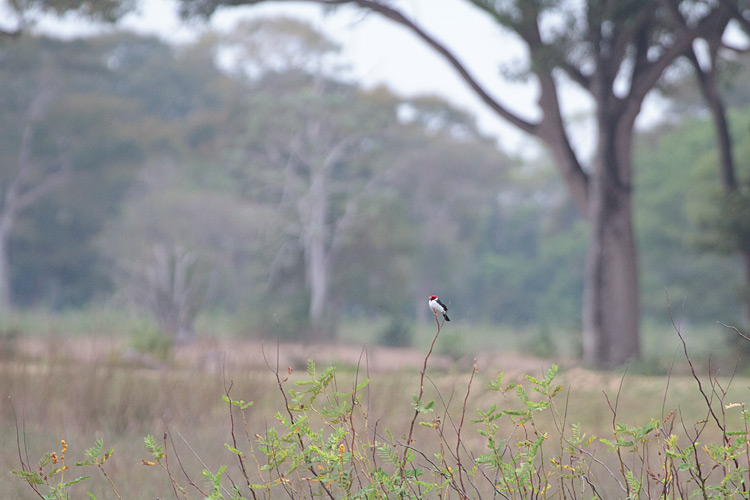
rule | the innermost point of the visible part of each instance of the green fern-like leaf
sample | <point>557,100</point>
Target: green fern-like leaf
<point>74,481</point>
<point>30,477</point>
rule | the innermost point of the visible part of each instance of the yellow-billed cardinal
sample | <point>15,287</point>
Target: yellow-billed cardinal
<point>438,307</point>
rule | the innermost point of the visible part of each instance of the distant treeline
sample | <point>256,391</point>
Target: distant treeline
<point>271,187</point>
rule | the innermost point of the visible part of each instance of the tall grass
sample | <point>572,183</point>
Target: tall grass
<point>353,431</point>
<point>99,321</point>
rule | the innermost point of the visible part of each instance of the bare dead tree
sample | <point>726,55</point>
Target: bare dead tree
<point>173,285</point>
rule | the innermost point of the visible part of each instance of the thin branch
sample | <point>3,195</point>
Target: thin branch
<point>179,461</point>
<point>227,390</point>
<point>398,17</point>
<point>650,71</point>
<point>24,465</point>
<point>419,398</point>
<point>461,424</point>
<point>169,473</point>
<point>735,330</point>
<point>280,384</point>
<point>676,326</point>
<point>733,7</point>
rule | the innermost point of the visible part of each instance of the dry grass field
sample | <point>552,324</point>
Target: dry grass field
<point>85,388</point>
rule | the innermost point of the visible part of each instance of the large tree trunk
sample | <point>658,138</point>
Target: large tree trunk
<point>610,296</point>
<point>318,278</point>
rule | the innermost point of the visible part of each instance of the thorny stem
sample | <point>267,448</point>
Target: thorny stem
<point>169,473</point>
<point>351,412</point>
<point>419,399</point>
<point>695,376</point>
<point>195,454</point>
<point>713,377</point>
<point>698,474</point>
<point>747,442</point>
<point>614,429</point>
<point>24,466</point>
<point>447,418</point>
<point>227,390</point>
<point>280,383</point>
<point>460,426</point>
<point>111,483</point>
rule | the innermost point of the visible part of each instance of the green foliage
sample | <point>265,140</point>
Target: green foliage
<point>519,455</point>
<point>528,265</point>
<point>676,202</point>
<point>48,480</point>
<point>319,445</point>
<point>156,451</point>
<point>96,119</point>
<point>153,341</point>
<point>397,333</point>
<point>541,344</point>
<point>108,11</point>
<point>9,337</point>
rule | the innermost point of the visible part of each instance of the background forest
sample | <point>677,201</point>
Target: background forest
<point>242,177</point>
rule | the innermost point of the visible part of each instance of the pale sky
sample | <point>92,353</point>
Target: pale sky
<point>381,52</point>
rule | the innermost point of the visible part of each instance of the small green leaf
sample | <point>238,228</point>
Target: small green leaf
<point>362,385</point>
<point>233,449</point>
<point>74,481</point>
<point>31,477</point>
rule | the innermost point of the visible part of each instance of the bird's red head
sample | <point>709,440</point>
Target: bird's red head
<point>433,297</point>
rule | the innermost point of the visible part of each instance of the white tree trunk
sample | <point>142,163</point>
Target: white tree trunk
<point>22,190</point>
<point>5,300</point>
<point>314,210</point>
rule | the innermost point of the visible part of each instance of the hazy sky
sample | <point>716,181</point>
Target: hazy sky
<point>383,53</point>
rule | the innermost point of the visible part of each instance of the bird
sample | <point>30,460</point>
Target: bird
<point>438,307</point>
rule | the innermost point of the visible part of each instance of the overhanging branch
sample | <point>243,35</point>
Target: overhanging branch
<point>401,19</point>
<point>463,72</point>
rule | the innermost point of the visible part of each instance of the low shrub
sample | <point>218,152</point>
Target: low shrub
<point>152,341</point>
